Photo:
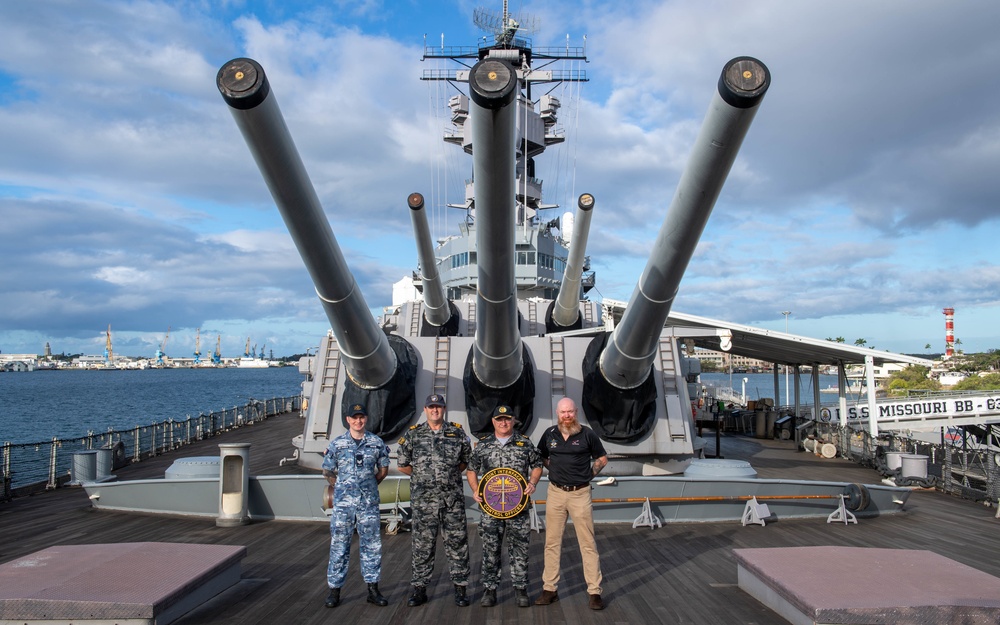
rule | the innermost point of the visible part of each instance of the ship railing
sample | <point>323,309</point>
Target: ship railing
<point>566,52</point>
<point>26,468</point>
<point>960,465</point>
<point>550,75</point>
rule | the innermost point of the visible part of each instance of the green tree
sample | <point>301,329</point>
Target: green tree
<point>984,361</point>
<point>928,346</point>
<point>913,377</point>
<point>988,382</point>
<point>710,366</point>
<point>860,342</point>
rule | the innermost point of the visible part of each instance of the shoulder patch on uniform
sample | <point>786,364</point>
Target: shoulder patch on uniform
<point>519,443</point>
<point>458,425</point>
<point>402,439</point>
<point>413,427</point>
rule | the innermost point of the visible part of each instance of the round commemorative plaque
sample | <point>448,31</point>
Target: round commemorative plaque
<point>503,493</point>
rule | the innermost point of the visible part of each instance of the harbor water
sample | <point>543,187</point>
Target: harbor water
<point>761,385</point>
<point>39,405</point>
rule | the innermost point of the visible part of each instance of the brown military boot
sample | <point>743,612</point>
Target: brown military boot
<point>547,597</point>
<point>596,603</point>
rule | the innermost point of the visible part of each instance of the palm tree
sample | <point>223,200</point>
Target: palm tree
<point>860,342</point>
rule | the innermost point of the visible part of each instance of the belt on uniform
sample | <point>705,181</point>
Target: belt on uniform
<point>570,489</point>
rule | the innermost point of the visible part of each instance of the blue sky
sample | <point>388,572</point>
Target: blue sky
<point>864,200</point>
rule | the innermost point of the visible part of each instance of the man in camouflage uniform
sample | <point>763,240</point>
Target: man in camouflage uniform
<point>435,454</point>
<point>510,449</point>
<point>354,464</point>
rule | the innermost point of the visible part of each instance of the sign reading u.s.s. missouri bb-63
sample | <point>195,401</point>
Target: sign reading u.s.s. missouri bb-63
<point>924,412</point>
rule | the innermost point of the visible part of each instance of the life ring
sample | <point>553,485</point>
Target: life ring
<point>825,414</point>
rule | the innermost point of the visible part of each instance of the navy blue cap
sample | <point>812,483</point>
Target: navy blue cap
<point>435,400</point>
<point>503,412</point>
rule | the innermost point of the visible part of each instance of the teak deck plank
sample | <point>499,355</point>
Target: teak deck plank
<point>680,573</point>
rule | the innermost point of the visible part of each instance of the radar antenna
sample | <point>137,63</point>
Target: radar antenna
<point>504,25</point>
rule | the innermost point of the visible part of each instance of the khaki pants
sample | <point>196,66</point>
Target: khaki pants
<point>579,507</point>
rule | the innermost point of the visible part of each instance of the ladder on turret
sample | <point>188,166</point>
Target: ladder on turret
<point>668,379</point>
<point>327,384</point>
<point>442,364</point>
<point>557,356</point>
<point>415,309</point>
<point>470,319</point>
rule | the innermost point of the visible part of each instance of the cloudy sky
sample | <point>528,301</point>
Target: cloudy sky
<point>864,200</point>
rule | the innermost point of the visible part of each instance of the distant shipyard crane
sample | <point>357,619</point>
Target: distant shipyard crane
<point>160,353</point>
<point>109,354</point>
<point>246,350</point>
<point>217,356</point>
<point>197,347</point>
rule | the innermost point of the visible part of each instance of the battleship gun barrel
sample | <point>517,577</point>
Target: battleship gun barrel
<point>567,306</point>
<point>366,353</point>
<point>628,358</point>
<point>497,352</point>
<point>438,312</point>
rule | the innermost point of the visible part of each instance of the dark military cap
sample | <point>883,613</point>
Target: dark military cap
<point>357,409</point>
<point>435,400</point>
<point>503,412</point>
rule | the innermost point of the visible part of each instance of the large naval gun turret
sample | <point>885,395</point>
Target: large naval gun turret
<point>504,317</point>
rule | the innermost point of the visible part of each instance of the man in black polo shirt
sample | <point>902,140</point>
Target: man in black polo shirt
<point>573,455</point>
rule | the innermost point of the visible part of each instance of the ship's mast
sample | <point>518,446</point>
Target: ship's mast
<point>541,258</point>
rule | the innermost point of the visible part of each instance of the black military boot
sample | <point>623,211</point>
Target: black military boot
<point>374,596</point>
<point>489,598</point>
<point>460,599</point>
<point>521,594</point>
<point>419,597</point>
<point>333,599</point>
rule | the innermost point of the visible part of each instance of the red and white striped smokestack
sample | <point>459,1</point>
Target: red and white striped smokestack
<point>949,332</point>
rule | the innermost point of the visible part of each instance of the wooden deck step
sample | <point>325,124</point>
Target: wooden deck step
<point>810,585</point>
<point>123,582</point>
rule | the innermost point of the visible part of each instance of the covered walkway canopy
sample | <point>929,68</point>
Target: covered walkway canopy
<point>786,349</point>
<point>794,351</point>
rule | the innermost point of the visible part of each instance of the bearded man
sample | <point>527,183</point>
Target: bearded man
<point>573,455</point>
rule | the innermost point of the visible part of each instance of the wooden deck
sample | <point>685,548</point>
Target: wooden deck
<point>680,573</point>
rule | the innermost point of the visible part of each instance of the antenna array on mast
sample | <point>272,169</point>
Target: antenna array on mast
<point>504,25</point>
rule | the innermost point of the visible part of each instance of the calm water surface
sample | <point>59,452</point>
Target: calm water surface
<point>37,405</point>
<point>759,385</point>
